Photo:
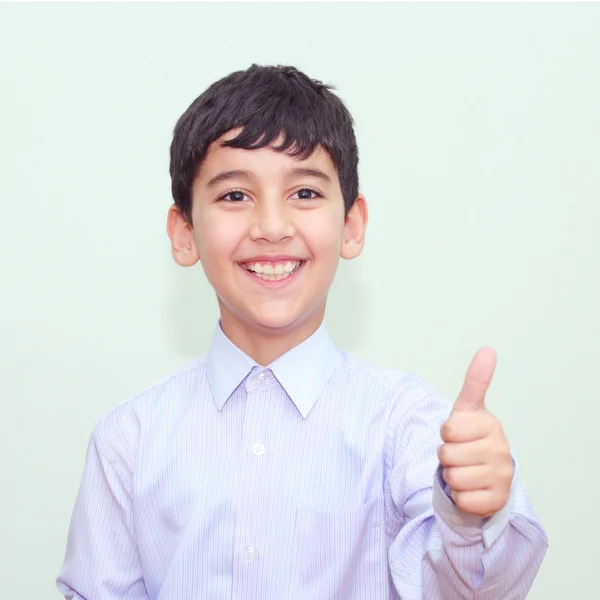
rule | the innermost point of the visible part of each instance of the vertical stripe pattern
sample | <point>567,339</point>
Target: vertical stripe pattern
<point>313,478</point>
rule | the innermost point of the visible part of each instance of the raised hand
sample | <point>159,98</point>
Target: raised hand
<point>475,455</point>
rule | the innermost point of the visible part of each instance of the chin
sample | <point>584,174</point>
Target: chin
<point>275,318</point>
<point>279,322</point>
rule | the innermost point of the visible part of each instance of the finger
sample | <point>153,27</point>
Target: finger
<point>467,426</point>
<point>483,503</point>
<point>477,380</point>
<point>464,479</point>
<point>464,454</point>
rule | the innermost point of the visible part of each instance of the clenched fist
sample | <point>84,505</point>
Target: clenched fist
<point>476,459</point>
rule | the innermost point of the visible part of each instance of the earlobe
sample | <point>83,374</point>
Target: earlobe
<point>354,229</point>
<point>181,234</point>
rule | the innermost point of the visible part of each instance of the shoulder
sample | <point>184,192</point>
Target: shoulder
<point>406,393</point>
<point>117,433</point>
<point>392,381</point>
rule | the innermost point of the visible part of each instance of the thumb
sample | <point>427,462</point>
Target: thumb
<point>477,380</point>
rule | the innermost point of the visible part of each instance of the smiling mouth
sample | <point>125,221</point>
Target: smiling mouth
<point>273,271</point>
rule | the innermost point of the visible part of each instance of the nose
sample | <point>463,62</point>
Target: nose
<point>272,221</point>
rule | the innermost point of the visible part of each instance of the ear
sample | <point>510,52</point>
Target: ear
<point>181,234</point>
<point>354,229</point>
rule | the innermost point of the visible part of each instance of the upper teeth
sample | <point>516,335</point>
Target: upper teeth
<point>278,269</point>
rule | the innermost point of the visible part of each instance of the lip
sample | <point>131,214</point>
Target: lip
<point>272,258</point>
<point>281,283</point>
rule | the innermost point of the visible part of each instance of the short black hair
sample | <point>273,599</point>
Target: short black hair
<point>266,102</point>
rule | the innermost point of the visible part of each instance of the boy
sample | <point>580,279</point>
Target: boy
<point>278,467</point>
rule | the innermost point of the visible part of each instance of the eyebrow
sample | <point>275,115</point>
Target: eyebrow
<point>247,175</point>
<point>228,175</point>
<point>304,172</point>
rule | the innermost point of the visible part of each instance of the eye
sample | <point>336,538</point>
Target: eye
<point>233,196</point>
<point>307,194</point>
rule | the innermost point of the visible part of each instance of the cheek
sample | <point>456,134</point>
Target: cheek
<point>324,238</point>
<point>217,238</point>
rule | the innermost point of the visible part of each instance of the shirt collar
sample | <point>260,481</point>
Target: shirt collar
<point>303,371</point>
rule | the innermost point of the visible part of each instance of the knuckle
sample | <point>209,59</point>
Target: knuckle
<point>446,475</point>
<point>492,419</point>
<point>449,455</point>
<point>500,454</point>
<point>443,454</point>
<point>507,473</point>
<point>450,477</point>
<point>458,498</point>
<point>448,431</point>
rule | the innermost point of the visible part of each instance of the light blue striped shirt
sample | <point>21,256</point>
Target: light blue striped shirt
<point>314,478</point>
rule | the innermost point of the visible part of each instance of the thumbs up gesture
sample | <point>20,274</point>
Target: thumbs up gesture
<point>475,456</point>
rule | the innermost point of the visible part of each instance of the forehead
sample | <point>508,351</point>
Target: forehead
<point>265,162</point>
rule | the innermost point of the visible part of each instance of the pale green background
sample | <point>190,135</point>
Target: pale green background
<point>479,130</point>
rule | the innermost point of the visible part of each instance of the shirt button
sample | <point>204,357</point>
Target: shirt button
<point>457,520</point>
<point>258,449</point>
<point>261,378</point>
<point>250,552</point>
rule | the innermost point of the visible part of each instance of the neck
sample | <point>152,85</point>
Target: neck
<point>265,344</point>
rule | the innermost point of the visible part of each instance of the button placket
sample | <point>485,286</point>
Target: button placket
<point>253,469</point>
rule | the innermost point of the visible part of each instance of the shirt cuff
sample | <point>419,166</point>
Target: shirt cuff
<point>466,524</point>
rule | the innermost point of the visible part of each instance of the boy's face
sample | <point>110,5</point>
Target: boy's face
<point>269,230</point>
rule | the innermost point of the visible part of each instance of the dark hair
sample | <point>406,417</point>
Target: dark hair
<point>266,101</point>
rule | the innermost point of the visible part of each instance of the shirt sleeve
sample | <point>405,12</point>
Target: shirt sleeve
<point>464,523</point>
<point>102,562</point>
<point>438,552</point>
